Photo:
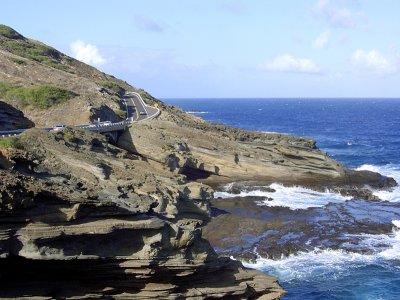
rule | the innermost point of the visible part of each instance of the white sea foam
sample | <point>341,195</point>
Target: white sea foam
<point>295,197</point>
<point>389,170</point>
<point>274,132</point>
<point>197,112</point>
<point>394,251</point>
<point>333,263</point>
<point>310,265</point>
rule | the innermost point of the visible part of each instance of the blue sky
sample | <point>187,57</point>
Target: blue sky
<point>226,48</point>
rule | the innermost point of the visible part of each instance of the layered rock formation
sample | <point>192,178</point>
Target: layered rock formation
<point>216,154</point>
<point>247,228</point>
<point>84,219</point>
<point>81,218</point>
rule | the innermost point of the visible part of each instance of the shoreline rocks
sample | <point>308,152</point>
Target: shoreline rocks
<point>83,219</point>
<point>247,228</point>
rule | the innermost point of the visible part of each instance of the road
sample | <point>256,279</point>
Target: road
<point>136,108</point>
<point>134,105</point>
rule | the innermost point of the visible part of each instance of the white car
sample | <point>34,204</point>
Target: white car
<point>59,127</point>
<point>142,112</point>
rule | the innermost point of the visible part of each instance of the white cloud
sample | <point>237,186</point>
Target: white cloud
<point>289,63</point>
<point>86,53</point>
<point>340,17</point>
<point>374,61</point>
<point>322,40</point>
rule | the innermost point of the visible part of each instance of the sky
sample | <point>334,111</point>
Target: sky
<point>226,48</point>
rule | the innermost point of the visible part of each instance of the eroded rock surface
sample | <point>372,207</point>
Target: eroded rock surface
<point>83,219</point>
<point>215,154</point>
<point>245,228</point>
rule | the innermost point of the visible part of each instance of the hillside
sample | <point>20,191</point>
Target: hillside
<point>86,93</point>
<point>84,219</point>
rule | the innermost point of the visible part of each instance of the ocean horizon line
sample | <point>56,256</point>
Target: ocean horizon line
<point>280,98</point>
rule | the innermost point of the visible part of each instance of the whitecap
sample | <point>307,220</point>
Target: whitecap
<point>307,266</point>
<point>394,251</point>
<point>295,197</point>
<point>194,112</point>
<point>390,170</point>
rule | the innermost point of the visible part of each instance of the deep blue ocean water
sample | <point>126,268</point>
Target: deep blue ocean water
<point>361,133</point>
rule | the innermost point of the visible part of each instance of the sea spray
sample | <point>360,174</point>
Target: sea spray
<point>294,197</point>
<point>389,170</point>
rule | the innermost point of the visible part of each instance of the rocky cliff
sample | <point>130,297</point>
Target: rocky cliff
<point>83,219</point>
<point>216,154</point>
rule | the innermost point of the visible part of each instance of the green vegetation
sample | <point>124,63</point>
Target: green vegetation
<point>19,61</point>
<point>11,142</point>
<point>18,45</point>
<point>149,99</point>
<point>69,136</point>
<point>112,87</point>
<point>121,113</point>
<point>10,33</point>
<point>167,147</point>
<point>42,96</point>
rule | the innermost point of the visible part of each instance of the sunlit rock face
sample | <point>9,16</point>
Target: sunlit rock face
<point>81,218</point>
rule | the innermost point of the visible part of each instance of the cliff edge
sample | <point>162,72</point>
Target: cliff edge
<point>84,219</point>
<point>81,218</point>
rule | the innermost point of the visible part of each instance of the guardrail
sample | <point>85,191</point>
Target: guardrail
<point>106,127</point>
<point>137,95</point>
<point>100,128</point>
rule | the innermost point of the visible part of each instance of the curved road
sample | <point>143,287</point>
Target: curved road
<point>136,111</point>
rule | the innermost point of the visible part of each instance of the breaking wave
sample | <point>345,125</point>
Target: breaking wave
<point>390,170</point>
<point>295,197</point>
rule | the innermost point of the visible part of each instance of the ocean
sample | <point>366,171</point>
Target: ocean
<point>363,134</point>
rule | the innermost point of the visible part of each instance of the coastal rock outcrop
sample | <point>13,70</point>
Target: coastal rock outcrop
<point>247,228</point>
<point>83,219</point>
<point>216,154</point>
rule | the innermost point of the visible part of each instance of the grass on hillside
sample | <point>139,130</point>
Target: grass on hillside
<point>112,87</point>
<point>42,96</point>
<point>19,45</point>
<point>9,33</point>
<point>12,142</point>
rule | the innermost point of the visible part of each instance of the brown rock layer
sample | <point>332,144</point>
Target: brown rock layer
<point>216,154</point>
<point>83,219</point>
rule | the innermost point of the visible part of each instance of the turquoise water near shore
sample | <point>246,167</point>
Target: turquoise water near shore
<point>362,134</point>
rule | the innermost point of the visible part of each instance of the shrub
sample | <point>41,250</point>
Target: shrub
<point>5,87</point>
<point>42,96</point>
<point>112,87</point>
<point>18,45</point>
<point>69,136</point>
<point>11,142</point>
<point>9,33</point>
<point>19,61</point>
<point>121,113</point>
